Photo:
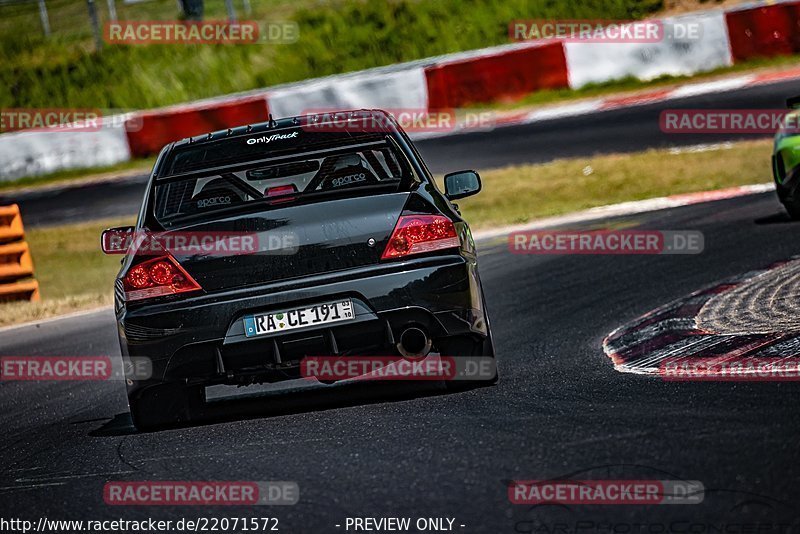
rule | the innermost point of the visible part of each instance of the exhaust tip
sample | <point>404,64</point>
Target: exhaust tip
<point>414,343</point>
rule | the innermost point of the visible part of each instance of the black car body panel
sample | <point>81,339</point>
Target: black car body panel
<point>198,338</point>
<point>440,293</point>
<point>326,240</point>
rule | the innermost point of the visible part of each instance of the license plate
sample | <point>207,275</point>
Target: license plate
<point>283,321</point>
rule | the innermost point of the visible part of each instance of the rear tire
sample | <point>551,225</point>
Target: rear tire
<point>792,208</point>
<point>791,205</point>
<point>469,346</point>
<point>165,405</point>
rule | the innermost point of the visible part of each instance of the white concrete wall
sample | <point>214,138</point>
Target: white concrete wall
<point>41,152</point>
<point>406,89</point>
<point>601,62</point>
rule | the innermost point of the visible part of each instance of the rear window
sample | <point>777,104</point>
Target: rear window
<point>318,175</point>
<point>277,142</point>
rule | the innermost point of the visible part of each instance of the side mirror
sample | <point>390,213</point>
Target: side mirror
<point>461,184</point>
<point>117,240</point>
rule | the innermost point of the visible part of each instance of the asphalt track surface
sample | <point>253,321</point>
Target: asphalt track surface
<point>560,410</point>
<point>622,130</point>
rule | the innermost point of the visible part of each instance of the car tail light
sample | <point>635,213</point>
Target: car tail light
<point>417,234</point>
<point>156,278</point>
<point>281,191</point>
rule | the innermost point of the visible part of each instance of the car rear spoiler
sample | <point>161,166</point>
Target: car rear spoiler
<point>793,102</point>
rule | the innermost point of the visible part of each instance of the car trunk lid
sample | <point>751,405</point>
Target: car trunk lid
<point>296,241</point>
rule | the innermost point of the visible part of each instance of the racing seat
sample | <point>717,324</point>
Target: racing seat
<point>342,171</point>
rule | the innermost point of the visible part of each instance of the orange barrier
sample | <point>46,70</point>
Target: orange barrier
<point>10,223</point>
<point>15,258</point>
<point>15,261</point>
<point>20,291</point>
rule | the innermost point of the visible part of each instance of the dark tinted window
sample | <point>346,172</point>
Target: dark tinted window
<point>307,177</point>
<point>267,144</point>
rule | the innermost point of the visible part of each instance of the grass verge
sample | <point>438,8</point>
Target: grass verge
<point>74,275</point>
<point>335,36</point>
<point>137,166</point>
<point>518,194</point>
<point>621,88</point>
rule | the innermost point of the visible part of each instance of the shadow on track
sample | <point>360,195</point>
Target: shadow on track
<point>276,404</point>
<point>780,217</point>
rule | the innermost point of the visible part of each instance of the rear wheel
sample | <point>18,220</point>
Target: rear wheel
<point>165,405</point>
<point>792,208</point>
<point>791,205</point>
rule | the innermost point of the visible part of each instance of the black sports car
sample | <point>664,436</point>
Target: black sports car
<point>371,258</point>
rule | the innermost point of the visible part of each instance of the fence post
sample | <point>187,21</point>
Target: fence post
<point>112,10</point>
<point>98,41</point>
<point>45,18</point>
<point>231,11</point>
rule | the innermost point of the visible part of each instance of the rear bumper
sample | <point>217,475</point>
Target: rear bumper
<point>201,340</point>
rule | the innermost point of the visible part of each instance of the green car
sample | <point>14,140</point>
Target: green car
<point>786,160</point>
